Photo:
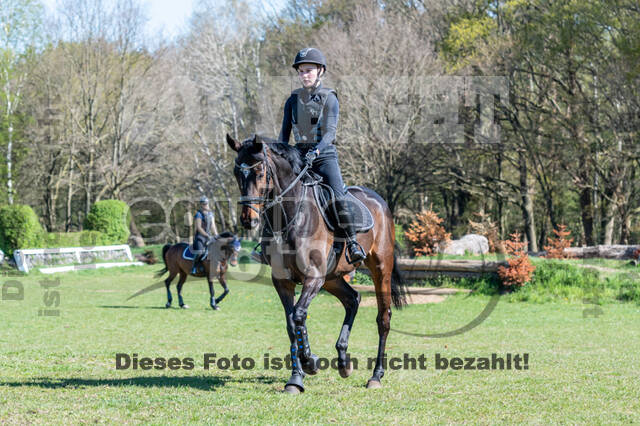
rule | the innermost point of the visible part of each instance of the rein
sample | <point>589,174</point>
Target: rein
<point>278,199</point>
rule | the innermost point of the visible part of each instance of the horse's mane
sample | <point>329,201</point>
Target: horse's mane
<point>286,151</point>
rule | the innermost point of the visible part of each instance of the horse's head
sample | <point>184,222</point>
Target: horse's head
<point>229,246</point>
<point>253,176</point>
<point>263,168</point>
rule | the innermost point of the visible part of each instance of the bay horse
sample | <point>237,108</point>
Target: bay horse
<point>266,171</point>
<point>222,251</point>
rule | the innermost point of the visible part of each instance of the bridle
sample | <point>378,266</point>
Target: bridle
<point>277,200</point>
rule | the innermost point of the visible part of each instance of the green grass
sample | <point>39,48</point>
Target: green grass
<point>553,281</point>
<point>61,369</point>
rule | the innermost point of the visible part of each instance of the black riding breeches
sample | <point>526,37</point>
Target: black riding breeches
<point>326,165</point>
<point>199,243</point>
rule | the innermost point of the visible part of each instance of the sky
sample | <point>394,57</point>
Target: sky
<point>170,16</point>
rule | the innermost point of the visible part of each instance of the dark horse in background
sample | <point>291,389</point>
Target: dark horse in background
<point>267,170</point>
<point>222,251</point>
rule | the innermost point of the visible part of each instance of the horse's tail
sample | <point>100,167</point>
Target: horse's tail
<point>398,286</point>
<point>164,258</point>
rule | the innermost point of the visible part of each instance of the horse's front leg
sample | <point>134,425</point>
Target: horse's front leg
<point>286,292</point>
<point>212,299</point>
<point>223,283</point>
<point>300,347</point>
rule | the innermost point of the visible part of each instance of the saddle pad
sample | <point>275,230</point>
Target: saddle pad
<point>188,254</point>
<point>324,196</point>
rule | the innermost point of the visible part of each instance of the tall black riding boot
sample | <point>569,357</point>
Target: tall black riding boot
<point>354,252</point>
<point>196,262</point>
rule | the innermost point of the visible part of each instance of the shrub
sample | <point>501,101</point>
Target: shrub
<point>555,249</point>
<point>19,228</point>
<point>361,278</point>
<point>629,291</point>
<point>109,217</point>
<point>77,239</point>
<point>401,243</point>
<point>425,233</point>
<point>520,269</point>
<point>487,228</point>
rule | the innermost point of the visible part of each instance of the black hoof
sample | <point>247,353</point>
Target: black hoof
<point>168,305</point>
<point>185,306</point>
<point>310,367</point>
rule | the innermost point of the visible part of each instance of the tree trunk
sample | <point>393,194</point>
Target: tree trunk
<point>527,204</point>
<point>586,211</point>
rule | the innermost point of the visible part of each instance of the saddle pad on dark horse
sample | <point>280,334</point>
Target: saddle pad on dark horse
<point>188,254</point>
<point>362,217</point>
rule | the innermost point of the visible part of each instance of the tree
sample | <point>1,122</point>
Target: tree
<point>20,22</point>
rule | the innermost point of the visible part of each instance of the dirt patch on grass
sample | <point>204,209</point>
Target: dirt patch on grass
<point>413,299</point>
<point>415,295</point>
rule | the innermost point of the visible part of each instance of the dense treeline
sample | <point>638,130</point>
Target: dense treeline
<point>526,112</point>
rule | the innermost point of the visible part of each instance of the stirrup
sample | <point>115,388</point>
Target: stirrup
<point>258,256</point>
<point>359,253</point>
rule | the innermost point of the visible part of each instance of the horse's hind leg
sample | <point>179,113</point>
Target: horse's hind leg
<point>350,300</point>
<point>381,275</point>
<point>183,278</point>
<point>167,283</point>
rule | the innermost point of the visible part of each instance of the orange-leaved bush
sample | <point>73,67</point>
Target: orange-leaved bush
<point>426,233</point>
<point>520,269</point>
<point>555,249</point>
<point>487,228</point>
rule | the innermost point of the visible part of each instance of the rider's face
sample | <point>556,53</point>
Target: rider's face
<point>307,73</point>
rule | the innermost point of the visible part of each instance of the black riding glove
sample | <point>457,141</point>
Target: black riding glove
<point>310,156</point>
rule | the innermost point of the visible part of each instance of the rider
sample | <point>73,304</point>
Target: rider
<point>204,223</point>
<point>312,113</point>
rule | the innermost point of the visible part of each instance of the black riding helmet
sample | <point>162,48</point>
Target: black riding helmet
<point>310,55</point>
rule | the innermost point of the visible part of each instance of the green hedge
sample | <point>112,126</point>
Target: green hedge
<point>110,217</point>
<point>78,239</point>
<point>19,228</point>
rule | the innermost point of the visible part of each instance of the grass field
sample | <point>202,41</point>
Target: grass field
<point>61,368</point>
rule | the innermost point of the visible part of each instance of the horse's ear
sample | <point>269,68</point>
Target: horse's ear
<point>234,144</point>
<point>256,146</point>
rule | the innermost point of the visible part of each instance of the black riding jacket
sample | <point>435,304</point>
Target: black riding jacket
<point>313,117</point>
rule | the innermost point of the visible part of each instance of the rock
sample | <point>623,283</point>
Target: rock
<point>135,241</point>
<point>1,257</point>
<point>470,243</point>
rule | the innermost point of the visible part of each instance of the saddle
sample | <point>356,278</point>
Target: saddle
<point>325,197</point>
<point>188,254</point>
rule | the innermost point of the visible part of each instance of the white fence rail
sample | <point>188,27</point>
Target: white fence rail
<point>27,259</point>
